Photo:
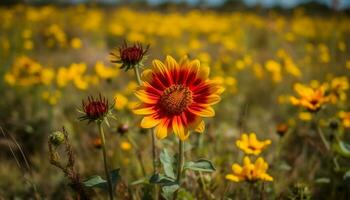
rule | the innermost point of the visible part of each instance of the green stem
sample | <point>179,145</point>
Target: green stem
<point>137,74</point>
<point>109,181</point>
<point>138,153</point>
<point>154,150</point>
<point>323,138</point>
<point>180,165</point>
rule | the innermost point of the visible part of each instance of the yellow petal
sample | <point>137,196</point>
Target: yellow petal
<point>236,169</point>
<point>149,122</point>
<point>232,177</point>
<point>158,66</point>
<point>146,97</point>
<point>162,129</point>
<point>203,112</point>
<point>179,129</point>
<point>213,99</point>
<point>147,75</point>
<point>194,66</point>
<point>144,111</point>
<point>171,63</point>
<point>201,127</point>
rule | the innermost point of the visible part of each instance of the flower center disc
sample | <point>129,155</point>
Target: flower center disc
<point>175,99</point>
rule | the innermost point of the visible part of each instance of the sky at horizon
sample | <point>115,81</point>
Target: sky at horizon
<point>265,3</point>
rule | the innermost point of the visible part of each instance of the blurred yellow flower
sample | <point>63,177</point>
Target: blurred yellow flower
<point>338,88</point>
<point>125,146</point>
<point>251,145</point>
<point>305,116</point>
<point>105,72</point>
<point>250,171</point>
<point>345,118</point>
<point>120,101</point>
<point>76,43</point>
<point>309,97</point>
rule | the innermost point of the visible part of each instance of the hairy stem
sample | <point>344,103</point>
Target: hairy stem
<point>137,74</point>
<point>180,165</point>
<point>109,180</point>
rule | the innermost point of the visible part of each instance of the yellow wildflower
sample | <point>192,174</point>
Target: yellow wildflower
<point>120,101</point>
<point>105,72</point>
<point>251,145</point>
<point>250,171</point>
<point>345,118</point>
<point>125,146</point>
<point>76,43</point>
<point>305,116</point>
<point>310,98</point>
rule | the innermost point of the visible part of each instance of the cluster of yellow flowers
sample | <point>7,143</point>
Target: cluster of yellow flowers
<point>312,97</point>
<point>27,72</point>
<point>250,171</point>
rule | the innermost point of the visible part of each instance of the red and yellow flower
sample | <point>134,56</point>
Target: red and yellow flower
<point>175,96</point>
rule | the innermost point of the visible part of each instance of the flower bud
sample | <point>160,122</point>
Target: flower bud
<point>281,129</point>
<point>123,128</point>
<point>56,138</point>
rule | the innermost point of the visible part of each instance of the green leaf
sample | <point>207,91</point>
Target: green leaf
<point>168,191</point>
<point>95,181</point>
<point>200,165</point>
<point>140,181</point>
<point>342,148</point>
<point>323,180</point>
<point>162,180</point>
<point>347,175</point>
<point>98,182</point>
<point>167,161</point>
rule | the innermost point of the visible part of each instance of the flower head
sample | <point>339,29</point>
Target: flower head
<point>251,145</point>
<point>345,118</point>
<point>129,56</point>
<point>311,98</point>
<point>175,96</point>
<point>250,171</point>
<point>95,109</point>
<point>338,89</point>
<point>57,138</point>
<point>281,129</point>
<point>96,142</point>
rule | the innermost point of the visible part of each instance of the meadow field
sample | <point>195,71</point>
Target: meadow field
<point>169,103</point>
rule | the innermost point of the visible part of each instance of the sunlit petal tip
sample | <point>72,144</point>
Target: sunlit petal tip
<point>232,177</point>
<point>143,111</point>
<point>201,127</point>
<point>149,122</point>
